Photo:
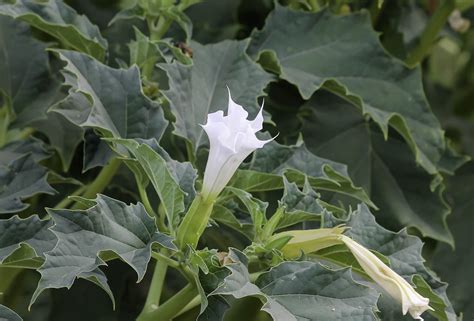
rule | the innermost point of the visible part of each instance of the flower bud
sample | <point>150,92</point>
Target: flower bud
<point>389,280</point>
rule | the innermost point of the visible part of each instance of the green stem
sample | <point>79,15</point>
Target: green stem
<point>430,33</point>
<point>101,181</point>
<point>191,305</point>
<point>67,200</point>
<point>4,123</point>
<point>145,200</point>
<point>186,271</point>
<point>172,307</point>
<point>194,222</point>
<point>156,287</point>
<point>314,5</point>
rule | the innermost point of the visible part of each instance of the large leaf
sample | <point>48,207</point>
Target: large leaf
<point>60,21</point>
<point>343,53</point>
<point>110,100</point>
<point>110,225</point>
<point>8,315</point>
<point>404,192</point>
<point>265,171</point>
<point>24,72</point>
<point>299,291</point>
<point>20,179</point>
<point>32,231</point>
<point>456,266</point>
<point>199,89</point>
<point>403,253</point>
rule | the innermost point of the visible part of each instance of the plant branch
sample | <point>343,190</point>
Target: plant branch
<point>101,181</point>
<point>172,307</point>
<point>430,33</point>
<point>156,287</point>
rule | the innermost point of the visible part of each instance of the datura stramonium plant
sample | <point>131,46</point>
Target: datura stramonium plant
<point>388,279</point>
<point>231,138</point>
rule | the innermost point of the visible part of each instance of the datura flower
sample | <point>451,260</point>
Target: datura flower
<point>389,280</point>
<point>232,138</point>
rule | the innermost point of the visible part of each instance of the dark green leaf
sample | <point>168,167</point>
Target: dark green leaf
<point>60,21</point>
<point>456,266</point>
<point>199,89</point>
<point>110,100</point>
<point>20,179</point>
<point>343,54</point>
<point>19,148</point>
<point>63,136</point>
<point>404,192</point>
<point>31,231</point>
<point>295,162</point>
<point>110,225</point>
<point>300,291</point>
<point>24,72</point>
<point>300,206</point>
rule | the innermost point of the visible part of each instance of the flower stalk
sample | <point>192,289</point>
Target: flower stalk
<point>232,138</point>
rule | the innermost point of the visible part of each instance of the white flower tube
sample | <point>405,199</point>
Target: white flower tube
<point>389,280</point>
<point>232,138</point>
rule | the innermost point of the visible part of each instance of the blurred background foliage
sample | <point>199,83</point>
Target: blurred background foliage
<point>448,75</point>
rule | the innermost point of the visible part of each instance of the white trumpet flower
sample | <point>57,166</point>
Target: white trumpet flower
<point>389,280</point>
<point>232,138</point>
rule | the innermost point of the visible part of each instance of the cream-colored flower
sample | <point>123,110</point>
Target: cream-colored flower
<point>389,280</point>
<point>232,138</point>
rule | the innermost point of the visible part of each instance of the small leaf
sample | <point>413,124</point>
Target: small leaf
<point>199,89</point>
<point>60,21</point>
<point>269,164</point>
<point>20,179</point>
<point>299,205</point>
<point>110,225</point>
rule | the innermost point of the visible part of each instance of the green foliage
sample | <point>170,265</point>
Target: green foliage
<point>103,158</point>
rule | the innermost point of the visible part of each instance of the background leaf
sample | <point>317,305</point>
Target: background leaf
<point>314,50</point>
<point>60,21</point>
<point>194,91</point>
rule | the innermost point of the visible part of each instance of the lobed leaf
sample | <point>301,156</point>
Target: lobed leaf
<point>343,54</point>
<point>83,235</point>
<point>20,179</point>
<point>32,231</point>
<point>404,192</point>
<point>60,21</point>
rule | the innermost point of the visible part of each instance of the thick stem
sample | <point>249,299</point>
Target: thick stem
<point>194,222</point>
<point>430,33</point>
<point>172,307</point>
<point>67,200</point>
<point>4,123</point>
<point>156,287</point>
<point>101,181</point>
